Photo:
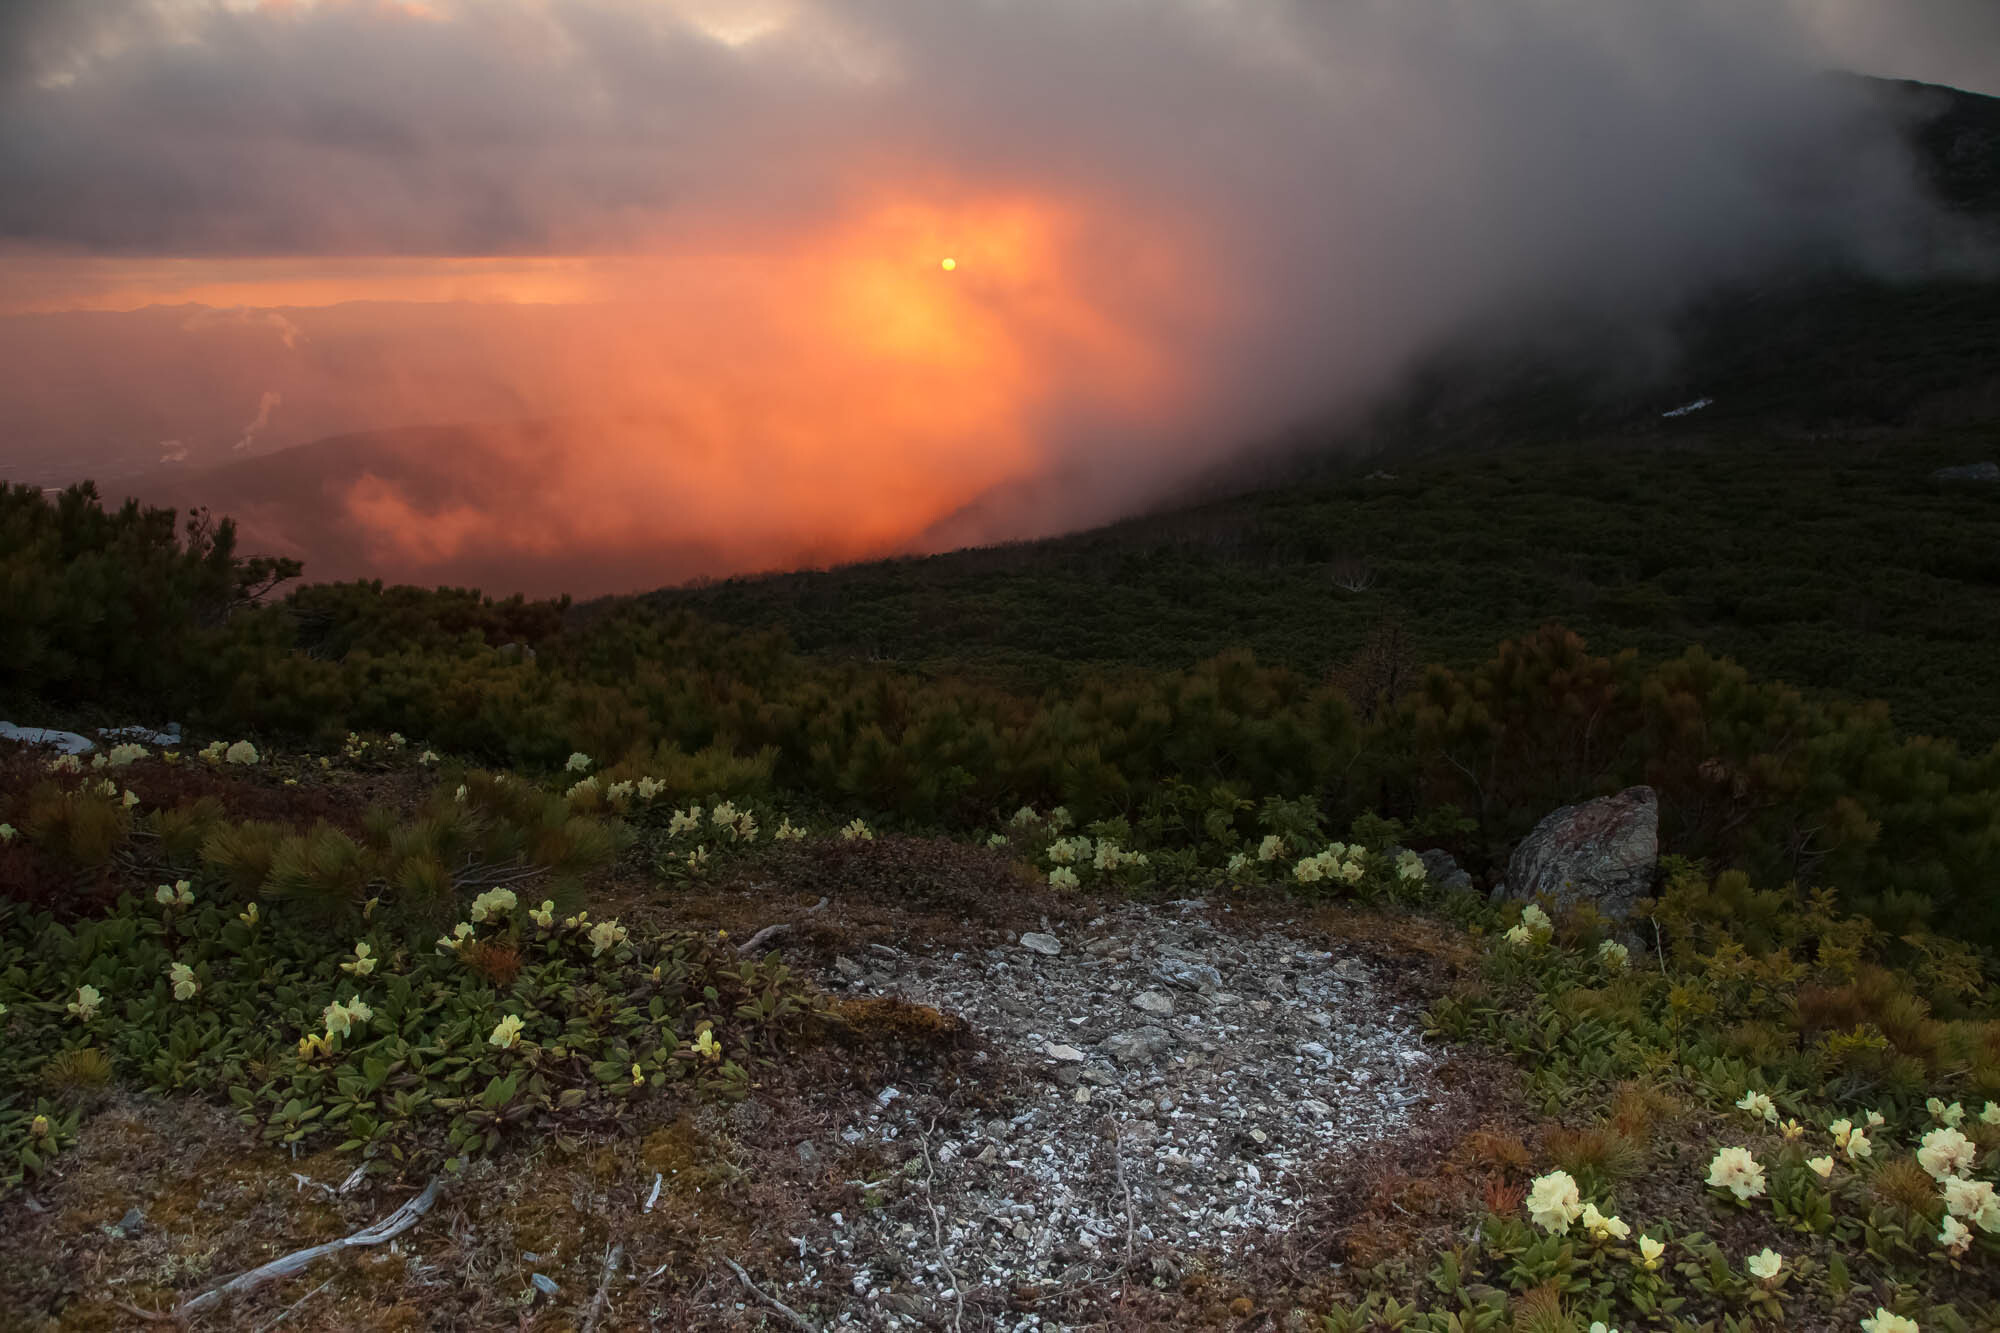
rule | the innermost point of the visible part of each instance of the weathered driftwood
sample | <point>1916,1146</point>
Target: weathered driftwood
<point>613,1256</point>
<point>390,1227</point>
<point>796,1319</point>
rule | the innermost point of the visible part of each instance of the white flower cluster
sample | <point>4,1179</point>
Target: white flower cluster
<point>1759,1104</point>
<point>1111,857</point>
<point>789,832</point>
<point>739,824</point>
<point>1069,851</point>
<point>121,755</point>
<point>237,752</point>
<point>1409,866</point>
<point>340,1018</point>
<point>1338,862</point>
<point>493,903</point>
<point>1535,927</point>
<point>182,978</point>
<point>579,762</point>
<point>584,788</point>
<point>84,1007</point>
<point>1062,877</point>
<point>606,935</point>
<point>856,831</point>
<point>1738,1171</point>
<point>644,788</point>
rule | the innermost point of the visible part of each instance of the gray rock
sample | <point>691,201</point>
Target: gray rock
<point>1189,976</point>
<point>1603,852</point>
<point>1154,1002</point>
<point>1039,943</point>
<point>808,1154</point>
<point>1444,872</point>
<point>520,652</point>
<point>1968,472</point>
<point>848,968</point>
<point>1056,1051</point>
<point>1142,1043</point>
<point>544,1283</point>
<point>132,1223</point>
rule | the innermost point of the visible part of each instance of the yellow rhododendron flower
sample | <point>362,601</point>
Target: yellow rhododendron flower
<point>178,894</point>
<point>1822,1167</point>
<point>492,903</point>
<point>1885,1322</point>
<point>39,1127</point>
<point>182,977</point>
<point>545,915</point>
<point>1945,1153</point>
<point>506,1033</point>
<point>1602,1228</point>
<point>1842,1131</point>
<point>460,933</point>
<point>1613,955</point>
<point>857,831</point>
<point>1735,1170</point>
<point>242,752</point>
<point>1973,1200</point>
<point>84,1006</point>
<point>1553,1202</point>
<point>1955,1236</point>
<point>579,762</point>
<point>1062,877</point>
<point>1991,1115</point>
<point>312,1046</point>
<point>1858,1146</point>
<point>706,1046</point>
<point>1650,1251</point>
<point>7,834</point>
<point>790,832</point>
<point>1758,1104</point>
<point>1765,1265</point>
<point>606,935</point>
<point>1947,1115</point>
<point>362,964</point>
<point>638,1076</point>
<point>1271,848</point>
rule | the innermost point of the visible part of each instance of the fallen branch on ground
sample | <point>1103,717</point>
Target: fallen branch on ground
<point>613,1255</point>
<point>798,1320</point>
<point>390,1227</point>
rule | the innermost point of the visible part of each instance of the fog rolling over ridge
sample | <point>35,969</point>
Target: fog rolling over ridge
<point>684,261</point>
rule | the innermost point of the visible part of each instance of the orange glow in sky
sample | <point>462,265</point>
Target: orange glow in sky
<point>822,396</point>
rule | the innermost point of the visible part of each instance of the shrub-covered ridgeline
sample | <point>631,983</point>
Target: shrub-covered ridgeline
<point>400,901</point>
<point>1750,773</point>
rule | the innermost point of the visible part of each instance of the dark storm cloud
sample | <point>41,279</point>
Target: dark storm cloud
<point>522,125</point>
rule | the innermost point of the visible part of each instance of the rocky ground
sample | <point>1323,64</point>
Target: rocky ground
<point>1046,1112</point>
<point>1189,1081</point>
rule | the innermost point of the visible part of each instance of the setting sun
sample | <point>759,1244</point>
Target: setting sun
<point>950,264</point>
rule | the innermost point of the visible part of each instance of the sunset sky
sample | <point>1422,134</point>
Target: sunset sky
<point>1175,227</point>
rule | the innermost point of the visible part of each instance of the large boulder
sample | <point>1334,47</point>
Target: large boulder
<point>1603,852</point>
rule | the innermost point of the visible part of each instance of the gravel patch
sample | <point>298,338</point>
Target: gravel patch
<point>1185,1081</point>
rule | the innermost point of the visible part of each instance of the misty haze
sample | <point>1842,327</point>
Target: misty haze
<point>1000,665</point>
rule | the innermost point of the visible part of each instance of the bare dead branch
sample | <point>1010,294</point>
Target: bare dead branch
<point>792,1316</point>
